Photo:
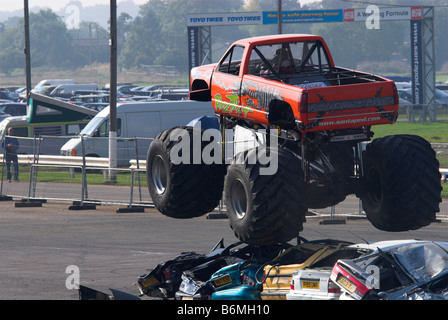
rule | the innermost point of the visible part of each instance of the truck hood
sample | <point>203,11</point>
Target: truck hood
<point>71,144</point>
<point>203,72</point>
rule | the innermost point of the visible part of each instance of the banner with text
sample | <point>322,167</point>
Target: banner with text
<point>223,19</point>
<point>304,16</point>
<point>398,13</point>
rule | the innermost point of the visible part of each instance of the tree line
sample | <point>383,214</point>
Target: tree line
<point>158,36</point>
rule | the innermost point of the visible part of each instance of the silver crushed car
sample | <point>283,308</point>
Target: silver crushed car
<point>395,270</point>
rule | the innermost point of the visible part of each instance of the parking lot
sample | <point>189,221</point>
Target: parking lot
<point>112,249</point>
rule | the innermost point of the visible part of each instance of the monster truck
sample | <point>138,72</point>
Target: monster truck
<point>321,116</point>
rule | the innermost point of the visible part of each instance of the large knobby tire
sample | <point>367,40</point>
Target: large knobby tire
<point>403,183</point>
<point>183,190</point>
<point>265,209</point>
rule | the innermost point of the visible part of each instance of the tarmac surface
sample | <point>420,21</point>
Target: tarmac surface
<point>43,248</point>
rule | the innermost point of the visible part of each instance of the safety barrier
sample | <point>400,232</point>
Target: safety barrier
<point>88,180</point>
<point>27,159</point>
<point>423,112</point>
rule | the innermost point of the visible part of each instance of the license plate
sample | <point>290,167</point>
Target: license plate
<point>222,281</point>
<point>149,282</point>
<point>310,284</point>
<point>350,286</point>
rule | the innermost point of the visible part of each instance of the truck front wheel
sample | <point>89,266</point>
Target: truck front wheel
<point>268,208</point>
<point>403,188</point>
<point>183,190</point>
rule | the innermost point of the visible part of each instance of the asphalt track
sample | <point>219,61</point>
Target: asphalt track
<point>39,245</point>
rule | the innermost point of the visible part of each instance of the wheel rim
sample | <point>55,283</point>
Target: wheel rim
<point>238,198</point>
<point>159,174</point>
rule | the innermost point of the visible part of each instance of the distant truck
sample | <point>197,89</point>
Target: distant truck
<point>321,114</point>
<point>49,119</point>
<point>134,120</point>
<point>51,133</point>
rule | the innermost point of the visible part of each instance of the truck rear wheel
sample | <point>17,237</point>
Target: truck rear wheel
<point>183,190</point>
<point>403,183</point>
<point>265,209</point>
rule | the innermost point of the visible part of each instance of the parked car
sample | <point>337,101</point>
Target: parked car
<point>395,270</point>
<point>125,89</point>
<point>441,97</point>
<point>51,82</point>
<point>91,98</point>
<point>68,90</point>
<point>8,95</point>
<point>442,86</point>
<point>403,85</point>
<point>13,108</point>
<point>98,106</point>
<point>3,115</point>
<point>406,94</point>
<point>170,94</point>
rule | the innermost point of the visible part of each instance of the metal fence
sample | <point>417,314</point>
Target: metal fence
<point>423,113</point>
<point>86,179</point>
<point>83,179</point>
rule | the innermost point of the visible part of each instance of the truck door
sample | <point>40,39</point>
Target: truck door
<point>257,86</point>
<point>226,83</point>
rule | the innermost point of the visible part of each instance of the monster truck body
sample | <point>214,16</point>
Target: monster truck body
<point>321,114</point>
<point>291,81</point>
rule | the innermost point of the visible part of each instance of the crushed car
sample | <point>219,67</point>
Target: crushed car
<point>164,281</point>
<point>279,273</point>
<point>264,277</point>
<point>237,281</point>
<point>311,270</point>
<point>395,270</point>
<point>313,284</point>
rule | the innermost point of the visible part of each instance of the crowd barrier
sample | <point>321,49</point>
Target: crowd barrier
<point>423,113</point>
<point>88,180</point>
<point>85,180</point>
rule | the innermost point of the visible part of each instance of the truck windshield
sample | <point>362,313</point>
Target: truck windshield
<point>91,127</point>
<point>288,58</point>
<point>99,127</point>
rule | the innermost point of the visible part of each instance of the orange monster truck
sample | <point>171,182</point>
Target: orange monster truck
<point>321,115</point>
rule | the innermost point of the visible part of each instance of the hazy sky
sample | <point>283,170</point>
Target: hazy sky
<point>57,5</point>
